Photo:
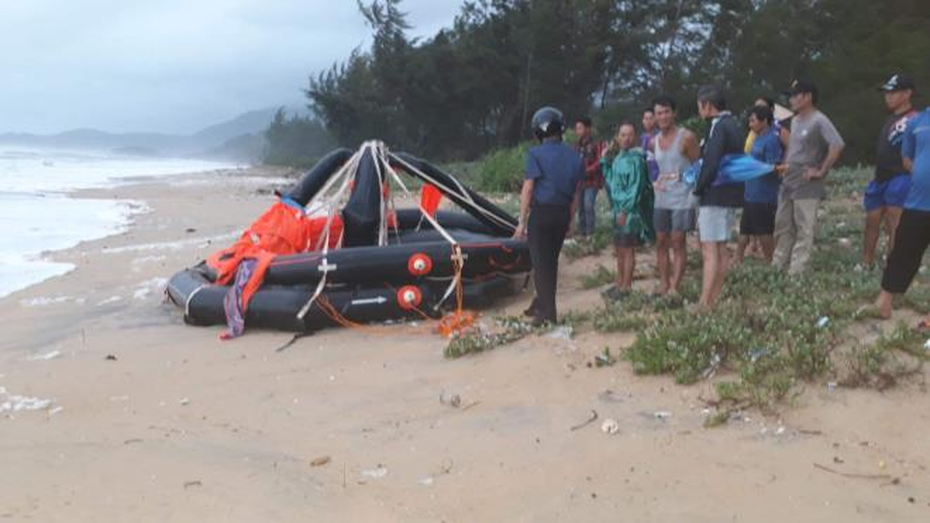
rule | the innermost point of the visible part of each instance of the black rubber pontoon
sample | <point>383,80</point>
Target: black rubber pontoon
<point>366,282</point>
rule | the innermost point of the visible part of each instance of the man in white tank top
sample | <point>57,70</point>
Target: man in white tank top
<point>675,148</point>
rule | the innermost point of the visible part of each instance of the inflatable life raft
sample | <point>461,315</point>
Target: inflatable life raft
<point>383,263</point>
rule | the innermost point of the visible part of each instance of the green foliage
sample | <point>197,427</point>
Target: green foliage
<point>511,329</point>
<point>600,277</point>
<point>295,141</point>
<point>880,364</point>
<point>502,170</point>
<point>472,87</point>
<point>771,329</point>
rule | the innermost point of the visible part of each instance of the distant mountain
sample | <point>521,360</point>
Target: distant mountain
<point>252,122</point>
<point>239,139</point>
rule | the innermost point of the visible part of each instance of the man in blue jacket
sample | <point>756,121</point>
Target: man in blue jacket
<point>551,189</point>
<point>717,204</point>
<point>913,233</point>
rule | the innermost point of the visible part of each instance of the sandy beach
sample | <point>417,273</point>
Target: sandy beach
<point>152,420</point>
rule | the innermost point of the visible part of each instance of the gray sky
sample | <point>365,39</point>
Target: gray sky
<point>172,65</point>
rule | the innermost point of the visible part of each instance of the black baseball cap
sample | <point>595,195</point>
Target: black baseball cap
<point>897,82</point>
<point>799,86</point>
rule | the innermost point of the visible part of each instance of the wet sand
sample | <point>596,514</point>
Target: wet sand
<point>153,420</point>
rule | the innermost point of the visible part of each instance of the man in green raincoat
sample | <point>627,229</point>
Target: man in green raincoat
<point>627,181</point>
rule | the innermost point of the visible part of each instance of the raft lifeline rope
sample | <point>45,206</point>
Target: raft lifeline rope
<point>382,158</point>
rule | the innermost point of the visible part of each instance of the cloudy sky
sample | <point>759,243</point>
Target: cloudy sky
<point>172,65</point>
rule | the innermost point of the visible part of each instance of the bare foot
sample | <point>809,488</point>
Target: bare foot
<point>883,304</point>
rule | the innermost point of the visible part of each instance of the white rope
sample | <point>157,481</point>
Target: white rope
<point>461,192</point>
<point>348,175</point>
<point>455,248</point>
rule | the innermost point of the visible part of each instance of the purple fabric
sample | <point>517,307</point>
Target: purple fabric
<point>232,303</point>
<point>646,142</point>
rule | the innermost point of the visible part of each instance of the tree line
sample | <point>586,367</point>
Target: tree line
<point>473,87</point>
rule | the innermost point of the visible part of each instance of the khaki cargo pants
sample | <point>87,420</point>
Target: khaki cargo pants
<point>795,223</point>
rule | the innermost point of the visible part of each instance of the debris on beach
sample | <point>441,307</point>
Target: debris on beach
<point>604,359</point>
<point>662,415</point>
<point>376,473</point>
<point>610,426</point>
<point>591,419</point>
<point>562,332</point>
<point>320,461</point>
<point>110,357</point>
<point>452,400</point>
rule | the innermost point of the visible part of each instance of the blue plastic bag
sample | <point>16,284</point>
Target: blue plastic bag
<point>734,168</point>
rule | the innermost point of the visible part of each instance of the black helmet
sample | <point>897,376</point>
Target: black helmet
<point>547,122</point>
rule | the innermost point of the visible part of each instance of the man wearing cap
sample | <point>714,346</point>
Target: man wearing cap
<point>813,148</point>
<point>913,233</point>
<point>552,187</point>
<point>885,194</point>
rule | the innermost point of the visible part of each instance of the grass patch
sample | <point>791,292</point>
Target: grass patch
<point>881,364</point>
<point>509,330</point>
<point>600,277</point>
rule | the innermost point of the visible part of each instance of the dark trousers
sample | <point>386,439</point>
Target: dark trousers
<point>910,243</point>
<point>546,231</point>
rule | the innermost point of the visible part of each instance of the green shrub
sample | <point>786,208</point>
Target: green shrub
<point>502,170</point>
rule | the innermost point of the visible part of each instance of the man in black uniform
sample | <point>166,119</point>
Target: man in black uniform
<point>552,186</point>
<point>884,196</point>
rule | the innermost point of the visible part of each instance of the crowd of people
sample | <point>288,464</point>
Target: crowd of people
<point>644,178</point>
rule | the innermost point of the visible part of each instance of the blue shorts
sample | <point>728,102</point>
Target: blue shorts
<point>891,193</point>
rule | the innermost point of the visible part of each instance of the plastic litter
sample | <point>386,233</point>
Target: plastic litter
<point>610,426</point>
<point>823,322</point>
<point>563,332</point>
<point>662,415</point>
<point>453,400</point>
<point>376,473</point>
<point>604,359</point>
<point>711,369</point>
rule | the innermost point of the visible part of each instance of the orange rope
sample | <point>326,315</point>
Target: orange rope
<point>459,320</point>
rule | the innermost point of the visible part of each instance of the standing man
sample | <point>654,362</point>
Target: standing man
<point>885,194</point>
<point>718,204</point>
<point>594,180</point>
<point>675,149</point>
<point>814,147</point>
<point>913,234</point>
<point>650,131</point>
<point>784,134</point>
<point>761,194</point>
<point>631,198</point>
<point>551,189</point>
